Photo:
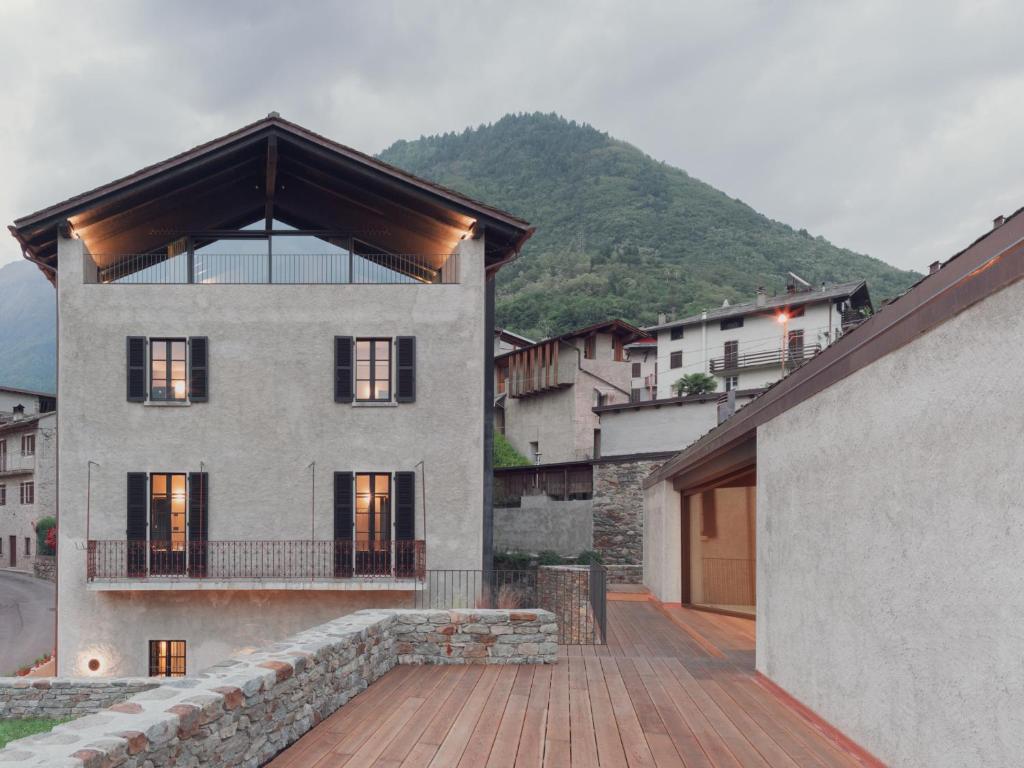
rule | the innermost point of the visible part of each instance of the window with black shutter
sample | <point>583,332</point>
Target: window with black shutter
<point>405,524</point>
<point>343,522</point>
<point>136,364</point>
<point>343,369</point>
<point>199,369</point>
<point>135,532</point>
<point>405,347</point>
<point>198,522</point>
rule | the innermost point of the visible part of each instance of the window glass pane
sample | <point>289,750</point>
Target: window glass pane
<point>382,349</point>
<point>363,390</point>
<point>159,484</point>
<point>381,371</point>
<point>383,392</point>
<point>178,370</point>
<point>362,350</point>
<point>362,370</point>
<point>178,350</point>
<point>159,350</point>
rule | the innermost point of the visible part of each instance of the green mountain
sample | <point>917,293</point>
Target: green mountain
<point>620,234</point>
<point>28,328</point>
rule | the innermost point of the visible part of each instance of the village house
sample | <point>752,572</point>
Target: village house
<point>28,460</point>
<point>867,510</point>
<point>546,390</point>
<point>275,359</point>
<point>751,345</point>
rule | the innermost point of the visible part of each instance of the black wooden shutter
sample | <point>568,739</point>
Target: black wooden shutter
<point>405,391</point>
<point>136,358</point>
<point>405,524</point>
<point>344,504</point>
<point>343,369</point>
<point>199,369</point>
<point>198,522</point>
<point>135,531</point>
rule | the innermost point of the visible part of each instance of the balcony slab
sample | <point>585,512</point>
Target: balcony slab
<point>207,585</point>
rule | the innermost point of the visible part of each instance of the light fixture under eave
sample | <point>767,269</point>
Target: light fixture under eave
<point>782,317</point>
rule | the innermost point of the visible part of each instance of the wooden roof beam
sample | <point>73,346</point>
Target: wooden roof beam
<point>271,180</point>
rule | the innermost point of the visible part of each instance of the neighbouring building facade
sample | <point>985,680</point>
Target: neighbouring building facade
<point>275,383</point>
<point>753,344</point>
<point>868,510</point>
<point>546,391</point>
<point>642,355</point>
<point>28,472</point>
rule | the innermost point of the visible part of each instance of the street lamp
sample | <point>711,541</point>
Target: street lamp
<point>783,319</point>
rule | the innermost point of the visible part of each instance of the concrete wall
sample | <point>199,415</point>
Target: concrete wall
<point>17,519</point>
<point>650,429</point>
<point>270,414</point>
<point>9,399</point>
<point>542,523</point>
<point>890,508</point>
<point>702,342</point>
<point>662,568</point>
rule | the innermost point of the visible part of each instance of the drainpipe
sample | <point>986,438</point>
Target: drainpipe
<point>704,339</point>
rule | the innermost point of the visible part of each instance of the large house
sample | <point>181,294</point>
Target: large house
<point>867,509</point>
<point>751,345</point>
<point>275,394</point>
<point>28,476</point>
<point>547,390</point>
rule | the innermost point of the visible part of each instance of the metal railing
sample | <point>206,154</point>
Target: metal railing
<point>279,560</point>
<point>792,357</point>
<point>576,595</point>
<point>16,462</point>
<point>282,269</point>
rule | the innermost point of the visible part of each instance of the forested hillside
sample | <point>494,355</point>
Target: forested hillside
<point>619,233</point>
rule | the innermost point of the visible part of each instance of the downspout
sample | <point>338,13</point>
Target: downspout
<point>704,339</point>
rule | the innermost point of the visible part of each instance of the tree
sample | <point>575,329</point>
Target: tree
<point>46,536</point>
<point>695,384</point>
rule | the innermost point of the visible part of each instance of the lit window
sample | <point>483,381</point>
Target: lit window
<point>28,492</point>
<point>373,512</point>
<point>167,658</point>
<point>28,445</point>
<point>373,369</point>
<point>167,376</point>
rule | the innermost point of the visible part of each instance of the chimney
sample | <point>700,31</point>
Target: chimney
<point>662,318</point>
<point>726,405</point>
<point>997,222</point>
<point>19,412</point>
<point>934,267</point>
<point>762,296</point>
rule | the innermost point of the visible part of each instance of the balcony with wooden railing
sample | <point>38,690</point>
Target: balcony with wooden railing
<point>534,370</point>
<point>268,564</point>
<point>792,358</point>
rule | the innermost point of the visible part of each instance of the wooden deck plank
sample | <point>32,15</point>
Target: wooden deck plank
<point>429,741</point>
<point>557,751</point>
<point>582,739</point>
<point>609,745</point>
<point>638,753</point>
<point>531,739</point>
<point>449,752</point>
<point>399,749</point>
<point>506,743</point>
<point>686,743</point>
<point>478,749</point>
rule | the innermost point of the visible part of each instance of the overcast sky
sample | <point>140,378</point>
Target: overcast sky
<point>888,127</point>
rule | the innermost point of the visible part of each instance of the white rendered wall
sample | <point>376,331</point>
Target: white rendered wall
<point>17,519</point>
<point>662,537</point>
<point>703,342</point>
<point>890,540</point>
<point>271,413</point>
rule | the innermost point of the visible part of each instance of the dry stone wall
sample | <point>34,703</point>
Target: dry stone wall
<point>618,505</point>
<point>61,697</point>
<point>244,711</point>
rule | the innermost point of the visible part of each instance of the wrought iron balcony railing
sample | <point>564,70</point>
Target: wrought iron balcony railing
<point>791,358</point>
<point>112,560</point>
<point>12,463</point>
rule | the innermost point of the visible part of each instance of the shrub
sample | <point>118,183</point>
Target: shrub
<point>504,455</point>
<point>512,561</point>
<point>46,544</point>
<point>549,557</point>
<point>695,384</point>
<point>589,557</point>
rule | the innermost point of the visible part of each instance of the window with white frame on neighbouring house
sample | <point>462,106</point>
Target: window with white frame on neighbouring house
<point>28,445</point>
<point>590,347</point>
<point>28,492</point>
<point>166,658</point>
<point>3,455</point>
<point>636,370</point>
<point>675,360</point>
<point>731,383</point>
<point>373,369</point>
<point>28,547</point>
<point>3,494</point>
<point>731,353</point>
<point>634,395</point>
<point>676,333</point>
<point>535,452</point>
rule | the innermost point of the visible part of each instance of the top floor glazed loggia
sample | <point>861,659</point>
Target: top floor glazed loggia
<point>272,203</point>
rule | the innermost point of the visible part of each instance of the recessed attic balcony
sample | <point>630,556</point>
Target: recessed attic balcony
<point>280,255</point>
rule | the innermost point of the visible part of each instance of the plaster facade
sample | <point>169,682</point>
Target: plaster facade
<point>18,545</point>
<point>270,416</point>
<point>889,585</point>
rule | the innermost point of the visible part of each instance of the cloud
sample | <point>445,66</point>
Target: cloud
<point>886,127</point>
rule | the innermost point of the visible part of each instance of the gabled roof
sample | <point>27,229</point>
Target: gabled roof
<point>512,338</point>
<point>31,392</point>
<point>616,327</point>
<point>271,167</point>
<point>992,262</point>
<point>796,299</point>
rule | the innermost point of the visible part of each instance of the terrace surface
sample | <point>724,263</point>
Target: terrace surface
<point>673,687</point>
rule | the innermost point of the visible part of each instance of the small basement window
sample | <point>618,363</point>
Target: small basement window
<point>166,658</point>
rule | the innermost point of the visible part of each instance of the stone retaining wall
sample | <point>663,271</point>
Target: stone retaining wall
<point>45,567</point>
<point>565,591</point>
<point>619,516</point>
<point>244,711</point>
<point>64,696</point>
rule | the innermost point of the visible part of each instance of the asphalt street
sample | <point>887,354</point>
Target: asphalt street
<point>26,619</point>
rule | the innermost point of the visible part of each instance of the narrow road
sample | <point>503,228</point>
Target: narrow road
<point>26,620</point>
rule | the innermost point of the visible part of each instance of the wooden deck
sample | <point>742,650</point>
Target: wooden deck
<point>673,687</point>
